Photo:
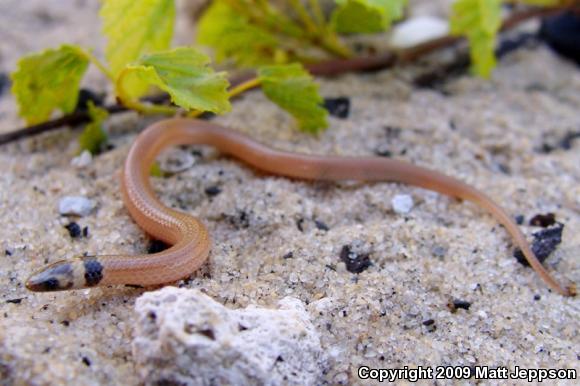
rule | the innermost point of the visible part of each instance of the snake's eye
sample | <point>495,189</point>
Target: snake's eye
<point>55,277</point>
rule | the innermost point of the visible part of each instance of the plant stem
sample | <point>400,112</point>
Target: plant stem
<point>149,109</point>
<point>319,35</point>
<point>331,43</point>
<point>268,18</point>
<point>244,86</point>
<point>304,16</point>
<point>194,113</point>
<point>137,105</point>
<point>317,12</point>
<point>277,23</point>
<point>100,65</point>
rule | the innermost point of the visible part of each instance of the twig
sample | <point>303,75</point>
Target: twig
<point>326,68</point>
<point>73,119</point>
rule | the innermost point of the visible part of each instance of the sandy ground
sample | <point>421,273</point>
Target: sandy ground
<point>395,313</point>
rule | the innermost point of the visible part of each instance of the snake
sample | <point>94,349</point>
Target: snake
<point>189,240</point>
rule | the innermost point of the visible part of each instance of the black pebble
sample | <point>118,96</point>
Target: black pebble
<point>510,44</point>
<point>546,148</point>
<point>436,79</point>
<point>299,224</point>
<point>561,33</point>
<point>8,252</point>
<point>74,230</point>
<point>545,242</point>
<point>239,221</point>
<point>431,327</point>
<point>320,225</point>
<point>338,107</point>
<point>503,168</point>
<point>4,82</point>
<point>383,152</point>
<point>86,95</point>
<point>537,297</point>
<point>213,191</point>
<point>244,220</point>
<point>428,322</point>
<point>86,361</point>
<point>157,246</point>
<point>197,153</point>
<point>355,263</point>
<point>519,219</point>
<point>457,304</point>
<point>86,232</point>
<point>289,255</point>
<point>566,142</point>
<point>15,301</point>
<point>543,220</point>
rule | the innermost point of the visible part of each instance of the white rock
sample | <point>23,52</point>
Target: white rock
<point>175,160</point>
<point>75,205</point>
<point>185,337</point>
<point>402,203</point>
<point>418,30</point>
<point>82,160</point>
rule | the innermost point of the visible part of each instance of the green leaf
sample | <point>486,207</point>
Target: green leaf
<point>134,27</point>
<point>366,16</point>
<point>93,136</point>
<point>47,81</point>
<point>544,3</point>
<point>233,36</point>
<point>292,88</point>
<point>185,74</point>
<point>479,21</point>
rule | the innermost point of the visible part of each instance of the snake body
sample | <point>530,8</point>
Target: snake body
<point>188,237</point>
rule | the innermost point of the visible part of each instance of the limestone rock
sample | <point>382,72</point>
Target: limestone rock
<point>418,30</point>
<point>75,206</point>
<point>185,337</point>
<point>402,203</point>
<point>82,160</point>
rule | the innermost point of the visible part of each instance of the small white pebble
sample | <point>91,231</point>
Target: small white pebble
<point>175,160</point>
<point>418,30</point>
<point>82,160</point>
<point>75,205</point>
<point>402,203</point>
<point>470,359</point>
<point>335,352</point>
